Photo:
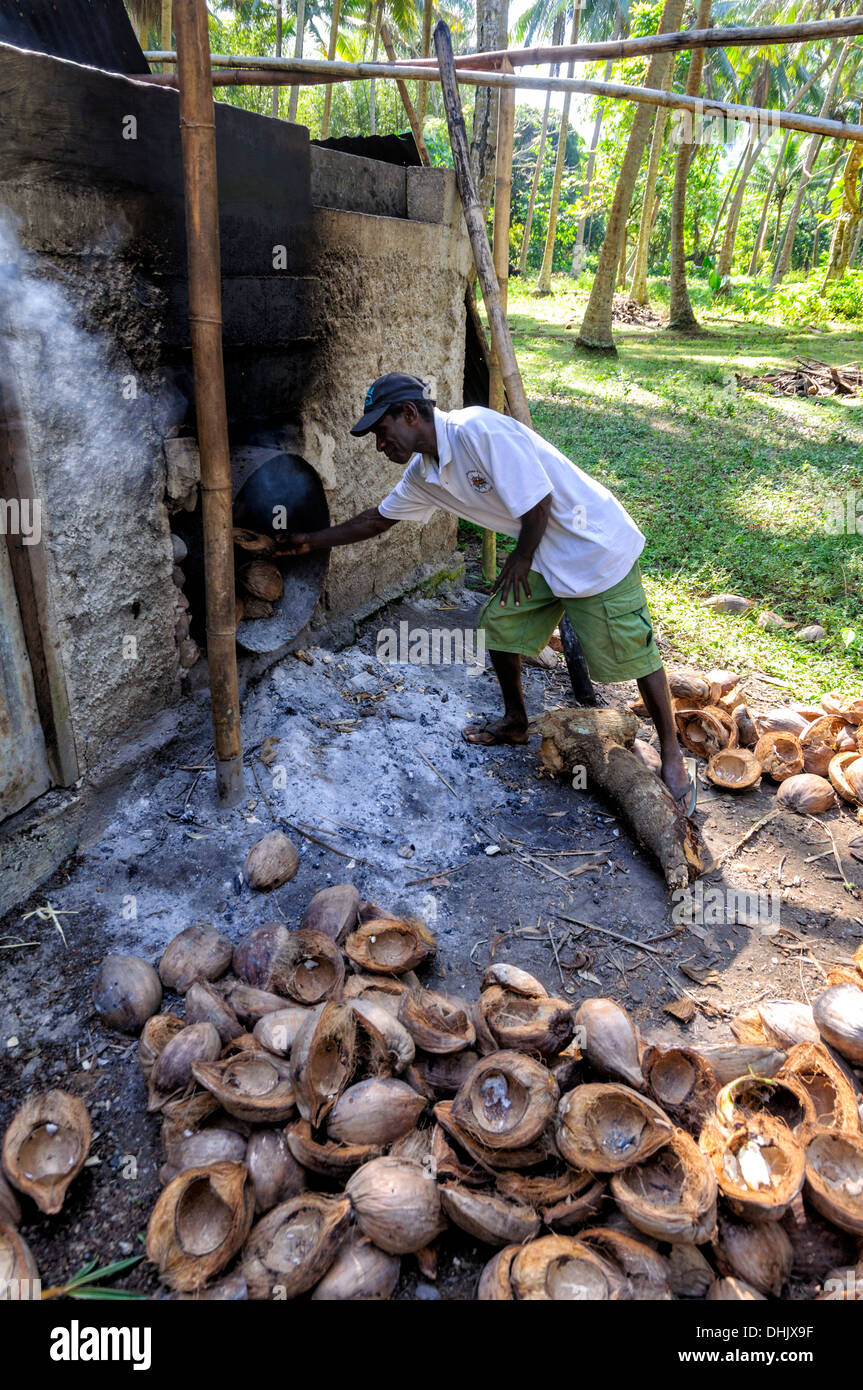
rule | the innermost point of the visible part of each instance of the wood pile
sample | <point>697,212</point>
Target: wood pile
<point>808,377</point>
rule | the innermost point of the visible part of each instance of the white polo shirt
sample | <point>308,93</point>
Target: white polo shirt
<point>491,470</point>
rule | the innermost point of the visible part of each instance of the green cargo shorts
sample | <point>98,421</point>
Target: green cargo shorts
<point>614,627</point>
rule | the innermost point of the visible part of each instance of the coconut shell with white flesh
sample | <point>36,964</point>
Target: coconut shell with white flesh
<point>759,1166</point>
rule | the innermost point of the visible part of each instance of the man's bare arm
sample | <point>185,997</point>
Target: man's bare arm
<point>360,528</point>
<point>518,563</point>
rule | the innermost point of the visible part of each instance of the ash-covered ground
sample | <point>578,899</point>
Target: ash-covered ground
<point>351,757</point>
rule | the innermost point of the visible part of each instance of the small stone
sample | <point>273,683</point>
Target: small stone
<point>189,653</point>
<point>492,849</point>
<point>728,603</point>
<point>813,633</point>
<point>771,622</point>
<point>180,549</point>
<point>13,1042</point>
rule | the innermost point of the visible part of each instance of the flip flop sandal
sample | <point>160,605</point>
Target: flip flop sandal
<point>494,737</point>
<point>692,793</point>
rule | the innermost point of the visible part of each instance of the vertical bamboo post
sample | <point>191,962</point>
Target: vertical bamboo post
<point>198,136</point>
<point>500,256</point>
<point>405,95</point>
<point>165,31</point>
<point>298,53</point>
<point>278,52</point>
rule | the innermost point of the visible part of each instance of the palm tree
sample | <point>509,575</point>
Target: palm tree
<point>492,33</point>
<point>680,312</point>
<point>556,38</point>
<point>620,31</point>
<point>638,291</point>
<point>849,216</point>
<point>544,282</point>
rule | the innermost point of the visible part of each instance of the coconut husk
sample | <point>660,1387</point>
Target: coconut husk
<point>333,911</point>
<point>729,1060</point>
<point>361,1271</point>
<point>786,1022</point>
<point>819,743</point>
<point>199,1223</point>
<point>277,1031</point>
<point>566,1067</point>
<point>761,1254</point>
<point>734,770</point>
<point>201,1149</point>
<point>435,1022</point>
<point>292,1247</point>
<point>255,1086</point>
<point>377,1111</point>
<point>126,993</point>
<point>272,861</point>
<point>558,1268</point>
<point>489,1217</point>
<point>573,1211</point>
<point>322,1060</point>
<point>416,1144</point>
<point>251,1004</point>
<point>231,1289</point>
<point>689,686</point>
<point>396,1204</point>
<point>17,1264</point>
<point>645,1270</point>
<point>172,1073</point>
<point>155,1036</point>
<point>782,1097</point>
<point>721,681</point>
<point>10,1210</point>
<point>384,990</point>
<point>834,1175</point>
<point>262,579</point>
<point>45,1147</point>
<point>493,1160</point>
<point>807,794</point>
<point>256,958</point>
<point>390,945</point>
<point>611,1045</point>
<point>704,731</point>
<point>495,1284</point>
<point>606,1128</point>
<point>449,1161</point>
<point>838,1015</point>
<point>276,1175</point>
<point>506,1101</point>
<point>200,952</point>
<point>781,719</point>
<point>759,1166</point>
<point>682,1083</point>
<point>745,732</point>
<point>837,776</point>
<point>733,1291</point>
<point>187,1114</point>
<point>204,1005</point>
<point>672,1194</point>
<point>829,1090</point>
<point>556,1182</point>
<point>780,754</point>
<point>510,977</point>
<point>689,1273</point>
<point>526,1024</point>
<point>326,1156</point>
<point>440,1076</point>
<point>308,968</point>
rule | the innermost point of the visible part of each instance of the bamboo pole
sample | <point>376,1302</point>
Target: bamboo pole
<point>198,137</point>
<point>308,71</point>
<point>500,336</point>
<point>406,100</point>
<point>166,25</point>
<point>278,52</point>
<point>331,53</point>
<point>500,256</point>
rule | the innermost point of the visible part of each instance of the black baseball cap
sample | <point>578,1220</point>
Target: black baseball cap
<point>390,390</point>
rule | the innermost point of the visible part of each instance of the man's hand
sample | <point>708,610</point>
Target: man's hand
<point>513,575</point>
<point>295,543</point>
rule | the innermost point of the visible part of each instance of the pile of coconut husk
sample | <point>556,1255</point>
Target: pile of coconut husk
<point>325,1116</point>
<point>813,752</point>
<point>626,310</point>
<point>808,377</point>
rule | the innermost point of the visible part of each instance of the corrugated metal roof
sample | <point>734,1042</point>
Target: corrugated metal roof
<point>96,32</point>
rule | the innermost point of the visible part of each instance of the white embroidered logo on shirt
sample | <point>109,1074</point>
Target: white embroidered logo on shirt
<point>477,480</point>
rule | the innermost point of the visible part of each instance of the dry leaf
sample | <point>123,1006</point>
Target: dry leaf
<point>268,752</point>
<point>681,1009</point>
<point>701,974</point>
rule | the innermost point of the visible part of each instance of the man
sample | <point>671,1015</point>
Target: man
<point>577,548</point>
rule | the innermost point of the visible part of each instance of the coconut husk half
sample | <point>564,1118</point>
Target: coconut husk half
<point>293,1246</point>
<point>322,1060</point>
<point>326,1156</point>
<point>670,1195</point>
<point>361,1271</point>
<point>834,1175</point>
<point>832,1096</point>
<point>390,945</point>
<point>784,1098</point>
<point>489,1217</point>
<point>526,1023</point>
<point>254,1086</point>
<point>759,1253</point>
<point>495,1284</point>
<point>396,1204</point>
<point>734,770</point>
<point>606,1128</point>
<point>199,1223</point>
<point>435,1022</point>
<point>45,1147</point>
<point>645,1270</point>
<point>506,1101</point>
<point>557,1269</point>
<point>681,1083</point>
<point>759,1166</point>
<point>780,755</point>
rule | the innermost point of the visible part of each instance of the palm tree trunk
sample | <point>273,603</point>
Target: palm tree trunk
<point>578,249</point>
<point>595,331</point>
<point>784,260</point>
<point>680,312</point>
<point>379,16</point>
<point>849,216</point>
<point>718,223</point>
<point>638,290</point>
<point>556,37</point>
<point>729,236</point>
<point>544,282</point>
<point>423,87</point>
<point>298,53</point>
<point>858,236</point>
<point>780,199</point>
<point>491,35</point>
<point>331,53</point>
<point>276,90</point>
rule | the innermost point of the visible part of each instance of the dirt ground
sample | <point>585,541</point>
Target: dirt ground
<point>370,762</point>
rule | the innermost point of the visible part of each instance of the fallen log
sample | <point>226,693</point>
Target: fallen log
<point>600,741</point>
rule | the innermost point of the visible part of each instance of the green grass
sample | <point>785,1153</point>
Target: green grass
<point>731,488</point>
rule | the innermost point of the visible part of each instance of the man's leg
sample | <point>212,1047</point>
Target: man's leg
<point>513,727</point>
<point>657,697</point>
<point>528,628</point>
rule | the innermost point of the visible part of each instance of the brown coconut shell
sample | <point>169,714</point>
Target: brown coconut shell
<point>761,1254</point>
<point>645,1270</point>
<point>276,1175</point>
<point>838,770</point>
<point>322,1060</point>
<point>262,579</point>
<point>838,1014</point>
<point>682,1083</point>
<point>781,719</point>
<point>670,1195</point>
<point>377,1111</point>
<point>396,1204</point>
<point>257,957</point>
<point>495,1284</point>
<point>489,1217</point>
<point>390,945</point>
<point>16,1261</point>
<point>704,731</point>
<point>807,794</point>
<point>172,1074</point>
<point>588,1204</point>
<point>436,1022</point>
<point>204,1005</point>
<point>721,682</point>
<point>198,1224</point>
<point>45,1147</point>
<point>782,1097</point>
<point>308,968</point>
<point>690,686</point>
<point>606,1128</point>
<point>759,1166</point>
<point>746,734</point>
<point>254,1086</point>
<point>361,1271</point>
<point>325,1156</point>
<point>730,1060</point>
<point>734,770</point>
<point>506,1101</point>
<point>690,1275</point>
<point>188,1114</point>
<point>126,992</point>
<point>333,911</point>
<point>559,1268</point>
<point>200,952</point>
<point>512,978</point>
<point>393,1040</point>
<point>199,1150</point>
<point>271,861</point>
<point>786,1022</point>
<point>550,1186</point>
<point>610,1044</point>
<point>155,1036</point>
<point>493,1160</point>
<point>526,1024</point>
<point>829,1090</point>
<point>780,755</point>
<point>819,743</point>
<point>277,1031</point>
<point>291,1248</point>
<point>251,1004</point>
<point>834,1175</point>
<point>10,1210</point>
<point>385,990</point>
<point>449,1161</point>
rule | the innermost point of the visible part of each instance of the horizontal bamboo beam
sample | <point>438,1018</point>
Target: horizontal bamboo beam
<point>310,70</point>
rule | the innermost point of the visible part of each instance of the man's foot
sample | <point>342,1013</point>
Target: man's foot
<point>677,778</point>
<point>491,731</point>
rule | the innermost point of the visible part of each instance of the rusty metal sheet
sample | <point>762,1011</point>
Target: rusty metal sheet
<point>24,772</point>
